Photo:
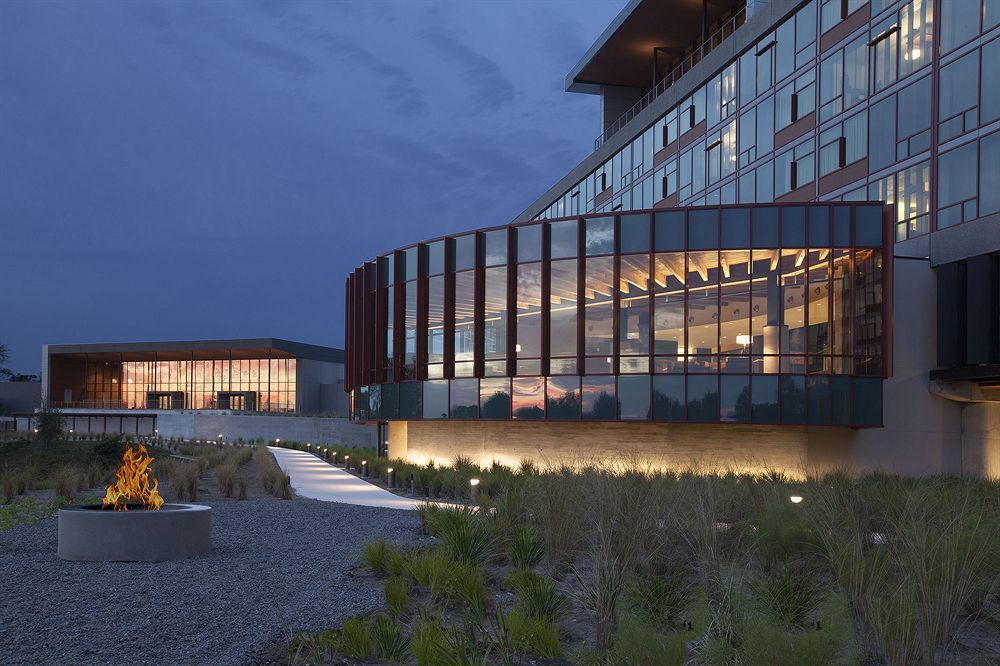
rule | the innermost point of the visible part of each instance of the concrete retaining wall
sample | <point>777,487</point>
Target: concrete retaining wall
<point>208,425</point>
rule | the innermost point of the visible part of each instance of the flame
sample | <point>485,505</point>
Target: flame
<point>132,484</point>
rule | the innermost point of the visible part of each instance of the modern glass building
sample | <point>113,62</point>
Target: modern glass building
<point>258,375</point>
<point>746,266</point>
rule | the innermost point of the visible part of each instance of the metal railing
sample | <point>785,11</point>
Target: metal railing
<point>697,55</point>
<point>94,404</point>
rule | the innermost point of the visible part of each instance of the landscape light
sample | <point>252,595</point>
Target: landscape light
<point>795,499</point>
<point>473,489</point>
<point>277,439</point>
<point>392,477</point>
<point>364,468</point>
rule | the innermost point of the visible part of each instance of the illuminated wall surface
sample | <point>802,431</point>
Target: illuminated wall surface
<point>762,314</point>
<point>255,384</point>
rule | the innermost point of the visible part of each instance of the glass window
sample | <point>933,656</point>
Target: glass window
<point>563,397</point>
<point>388,399</point>
<point>529,243</point>
<point>884,38</point>
<point>869,226</point>
<point>819,226</point>
<point>600,235</point>
<point>914,119</point>
<point>867,401</point>
<point>956,190</point>
<point>634,304</point>
<point>495,245</point>
<point>881,137</point>
<point>529,398</point>
<point>436,399</point>
<point>703,228</point>
<point>668,397</point>
<point>563,239</point>
<point>670,231</point>
<point>465,315</point>
<point>495,322</point>
<point>989,174</point>
<point>598,313</point>
<point>435,258</point>
<point>410,264</point>
<point>633,397</point>
<point>494,398</point>
<point>841,400</point>
<point>959,23</point>
<point>529,310</point>
<point>563,306</point>
<point>702,398</point>
<point>765,227</point>
<point>793,396</point>
<point>409,400</point>
<point>793,226</point>
<point>990,107</point>
<point>915,35</point>
<point>598,398</point>
<point>464,398</point>
<point>959,96</point>
<point>465,252</point>
<point>634,232</point>
<point>435,319</point>
<point>410,329</point>
<point>734,399</point>
<point>735,227</point>
<point>818,400</point>
<point>669,308</point>
<point>765,399</point>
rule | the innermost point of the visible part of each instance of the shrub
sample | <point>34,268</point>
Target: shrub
<point>373,553</point>
<point>67,481</point>
<point>537,596</point>
<point>430,569</point>
<point>226,475</point>
<point>242,485</point>
<point>790,597</point>
<point>600,596</point>
<point>356,638</point>
<point>538,636</point>
<point>466,537</point>
<point>395,562</point>
<point>661,600</point>
<point>9,480</point>
<point>527,548</point>
<point>388,640</point>
<point>467,586</point>
<point>397,594</point>
<point>427,643</point>
<point>184,479</point>
<point>638,643</point>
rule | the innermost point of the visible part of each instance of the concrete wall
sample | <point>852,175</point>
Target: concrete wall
<point>320,388</point>
<point>19,396</point>
<point>208,425</point>
<point>981,439</point>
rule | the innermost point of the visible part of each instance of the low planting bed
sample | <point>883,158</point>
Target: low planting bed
<point>630,566</point>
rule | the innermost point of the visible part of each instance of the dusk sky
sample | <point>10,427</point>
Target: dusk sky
<point>186,170</point>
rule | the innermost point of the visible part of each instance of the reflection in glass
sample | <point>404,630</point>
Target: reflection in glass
<point>600,235</point>
<point>410,330</point>
<point>494,398</point>
<point>529,310</point>
<point>634,304</point>
<point>598,398</point>
<point>436,399</point>
<point>464,398</point>
<point>563,397</point>
<point>496,247</point>
<point>495,324</point>
<point>562,308</point>
<point>435,319</point>
<point>598,306</point>
<point>563,239</point>
<point>529,243</point>
<point>669,276</point>
<point>734,398</point>
<point>633,397</point>
<point>465,316</point>
<point>703,398</point>
<point>529,398</point>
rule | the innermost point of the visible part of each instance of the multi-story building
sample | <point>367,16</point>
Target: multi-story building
<point>722,257</point>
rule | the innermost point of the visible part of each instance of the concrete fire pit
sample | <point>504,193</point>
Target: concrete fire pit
<point>93,534</point>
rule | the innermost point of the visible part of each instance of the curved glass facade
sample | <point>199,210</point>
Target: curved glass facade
<point>735,314</point>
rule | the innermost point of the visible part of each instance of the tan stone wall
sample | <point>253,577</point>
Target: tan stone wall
<point>661,445</point>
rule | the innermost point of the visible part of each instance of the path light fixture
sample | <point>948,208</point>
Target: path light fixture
<point>277,440</point>
<point>473,489</point>
<point>413,482</point>
<point>795,499</point>
<point>392,477</point>
<point>347,463</point>
<point>364,468</point>
<point>334,456</point>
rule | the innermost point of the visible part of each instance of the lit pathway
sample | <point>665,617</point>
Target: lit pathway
<point>316,479</point>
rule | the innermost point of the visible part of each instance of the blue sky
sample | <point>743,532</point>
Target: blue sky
<point>177,170</point>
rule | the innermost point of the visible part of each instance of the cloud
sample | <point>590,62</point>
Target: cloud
<point>489,88</point>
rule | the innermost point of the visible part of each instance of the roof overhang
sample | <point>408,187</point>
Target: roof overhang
<point>623,54</point>
<point>244,348</point>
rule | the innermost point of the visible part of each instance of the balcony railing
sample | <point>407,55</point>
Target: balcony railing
<point>697,55</point>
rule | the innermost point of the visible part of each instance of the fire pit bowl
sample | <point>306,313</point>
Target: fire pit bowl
<point>95,534</point>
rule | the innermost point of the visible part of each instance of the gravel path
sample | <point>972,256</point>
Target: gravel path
<point>276,567</point>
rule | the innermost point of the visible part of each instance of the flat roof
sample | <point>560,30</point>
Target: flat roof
<point>623,54</point>
<point>198,349</point>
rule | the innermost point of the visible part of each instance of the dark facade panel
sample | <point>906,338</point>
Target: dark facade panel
<point>968,318</point>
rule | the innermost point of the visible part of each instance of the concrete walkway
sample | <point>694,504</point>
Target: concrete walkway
<point>317,479</point>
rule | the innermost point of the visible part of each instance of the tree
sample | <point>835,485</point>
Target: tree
<point>49,423</point>
<point>4,357</point>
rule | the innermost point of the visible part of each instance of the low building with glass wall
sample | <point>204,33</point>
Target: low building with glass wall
<point>255,375</point>
<point>725,105</point>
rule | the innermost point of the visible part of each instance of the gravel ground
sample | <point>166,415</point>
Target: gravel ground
<point>276,567</point>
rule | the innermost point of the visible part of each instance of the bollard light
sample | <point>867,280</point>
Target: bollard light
<point>347,463</point>
<point>473,489</point>
<point>364,468</point>
<point>413,483</point>
<point>334,456</point>
<point>392,477</point>
<point>795,499</point>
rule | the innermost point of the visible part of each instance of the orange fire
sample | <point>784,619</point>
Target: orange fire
<point>132,484</point>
